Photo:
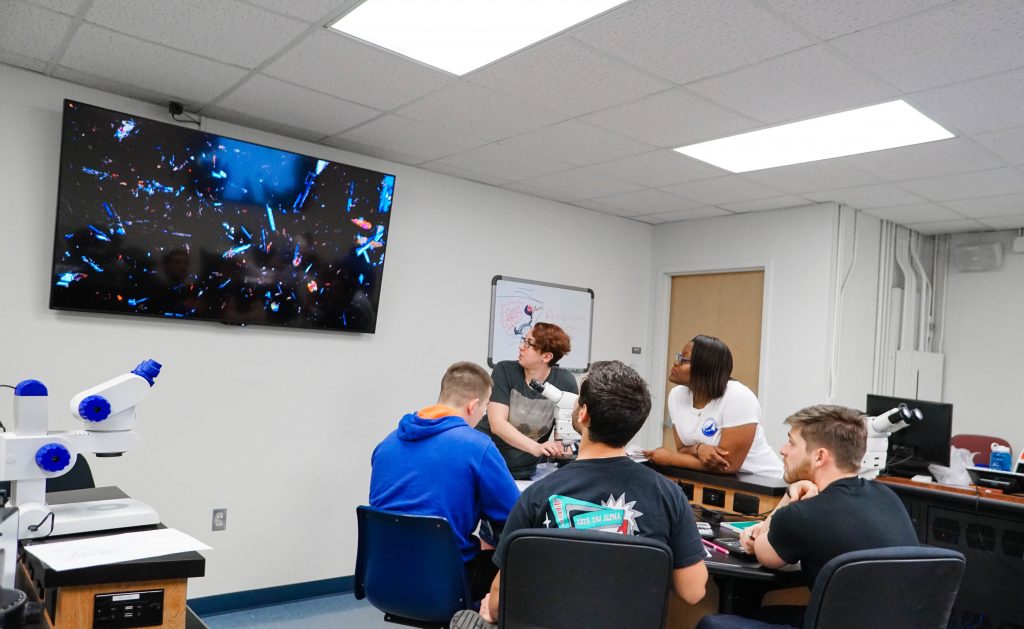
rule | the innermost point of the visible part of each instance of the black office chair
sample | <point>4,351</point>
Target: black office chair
<point>558,578</point>
<point>911,587</point>
<point>410,568</point>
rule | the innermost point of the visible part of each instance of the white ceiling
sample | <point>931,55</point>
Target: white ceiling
<point>589,117</point>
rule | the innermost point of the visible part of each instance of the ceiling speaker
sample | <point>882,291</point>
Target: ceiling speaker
<point>986,257</point>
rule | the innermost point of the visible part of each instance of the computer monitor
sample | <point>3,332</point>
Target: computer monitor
<point>920,443</point>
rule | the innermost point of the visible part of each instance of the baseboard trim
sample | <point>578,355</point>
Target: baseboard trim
<point>250,599</point>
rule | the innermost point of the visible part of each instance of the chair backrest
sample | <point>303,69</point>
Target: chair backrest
<point>982,444</point>
<point>557,578</point>
<point>410,566</point>
<point>911,587</point>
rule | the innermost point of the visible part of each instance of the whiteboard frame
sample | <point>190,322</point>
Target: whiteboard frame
<point>494,296</point>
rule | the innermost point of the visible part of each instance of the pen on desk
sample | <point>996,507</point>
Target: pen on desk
<point>715,546</point>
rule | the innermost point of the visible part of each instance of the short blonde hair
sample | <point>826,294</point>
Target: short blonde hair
<point>465,381</point>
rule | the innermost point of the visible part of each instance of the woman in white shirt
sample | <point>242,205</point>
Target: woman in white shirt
<point>717,419</point>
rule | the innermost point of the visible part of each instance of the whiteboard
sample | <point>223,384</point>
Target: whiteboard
<point>518,304</point>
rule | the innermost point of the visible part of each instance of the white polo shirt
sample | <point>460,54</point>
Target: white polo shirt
<point>737,407</point>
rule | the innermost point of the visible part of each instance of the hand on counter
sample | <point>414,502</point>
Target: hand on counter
<point>712,457</point>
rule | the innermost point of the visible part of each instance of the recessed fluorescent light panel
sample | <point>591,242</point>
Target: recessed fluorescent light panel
<point>862,130</point>
<point>461,35</point>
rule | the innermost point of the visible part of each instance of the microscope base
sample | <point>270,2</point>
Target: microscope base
<point>99,515</point>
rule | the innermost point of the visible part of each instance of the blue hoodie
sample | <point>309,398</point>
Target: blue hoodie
<point>436,464</point>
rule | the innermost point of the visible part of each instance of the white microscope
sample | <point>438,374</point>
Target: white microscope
<point>879,429</point>
<point>564,404</point>
<point>29,455</point>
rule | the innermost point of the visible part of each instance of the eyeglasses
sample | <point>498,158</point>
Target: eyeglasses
<point>681,360</point>
<point>528,343</point>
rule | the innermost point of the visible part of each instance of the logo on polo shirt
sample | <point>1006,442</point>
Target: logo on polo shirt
<point>709,428</point>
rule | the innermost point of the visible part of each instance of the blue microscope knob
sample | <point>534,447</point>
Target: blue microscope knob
<point>94,408</point>
<point>53,457</point>
<point>148,369</point>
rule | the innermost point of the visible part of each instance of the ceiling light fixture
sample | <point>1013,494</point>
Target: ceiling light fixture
<point>873,128</point>
<point>459,36</point>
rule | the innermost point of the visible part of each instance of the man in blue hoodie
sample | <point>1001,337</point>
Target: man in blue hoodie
<point>435,463</point>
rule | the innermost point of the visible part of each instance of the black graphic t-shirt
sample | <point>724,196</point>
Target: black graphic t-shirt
<point>616,495</point>
<point>530,412</point>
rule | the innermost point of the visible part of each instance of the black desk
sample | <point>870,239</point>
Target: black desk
<point>68,595</point>
<point>745,494</point>
<point>988,528</point>
<point>743,582</point>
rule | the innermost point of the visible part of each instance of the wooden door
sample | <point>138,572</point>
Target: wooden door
<point>726,305</point>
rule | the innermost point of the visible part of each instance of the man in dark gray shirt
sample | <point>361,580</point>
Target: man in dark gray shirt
<point>828,509</point>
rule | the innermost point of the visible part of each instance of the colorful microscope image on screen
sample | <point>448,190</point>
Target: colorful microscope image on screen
<point>162,220</point>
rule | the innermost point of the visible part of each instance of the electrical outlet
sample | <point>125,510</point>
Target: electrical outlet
<point>220,519</point>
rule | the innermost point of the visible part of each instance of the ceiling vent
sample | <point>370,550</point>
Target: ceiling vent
<point>986,257</point>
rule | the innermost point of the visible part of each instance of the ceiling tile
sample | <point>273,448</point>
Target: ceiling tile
<point>330,62</point>
<point>21,61</point>
<point>580,184</point>
<point>479,111</point>
<point>149,66</point>
<point>577,143</point>
<point>225,30</point>
<point>681,118</point>
<point>802,84</point>
<point>681,215</point>
<point>657,169</point>
<point>1007,144</point>
<point>391,136</point>
<point>565,75</point>
<point>950,44</point>
<point>827,174</point>
<point>986,183</point>
<point>271,99</point>
<point>67,7</point>
<point>647,201</point>
<point>116,87</point>
<point>308,10</point>
<point>988,207</point>
<point>438,166</point>
<point>916,213</point>
<point>761,205</point>
<point>728,189</point>
<point>830,18</point>
<point>931,159</point>
<point>685,41</point>
<point>864,197</point>
<point>31,31</point>
<point>262,124</point>
<point>948,227</point>
<point>502,162</point>
<point>1004,222</point>
<point>545,193</point>
<point>977,106</point>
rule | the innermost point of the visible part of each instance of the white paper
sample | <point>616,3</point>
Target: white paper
<point>108,549</point>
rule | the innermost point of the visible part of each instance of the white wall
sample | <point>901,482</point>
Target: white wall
<point>795,247</point>
<point>278,425</point>
<point>984,345</point>
<point>858,261</point>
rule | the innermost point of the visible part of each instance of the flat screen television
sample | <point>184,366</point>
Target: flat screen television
<point>161,220</point>
<point>914,447</point>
